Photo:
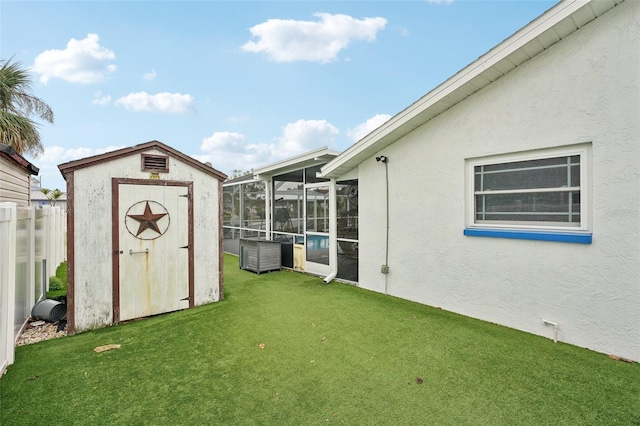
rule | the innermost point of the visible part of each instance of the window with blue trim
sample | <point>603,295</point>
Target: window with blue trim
<point>540,191</point>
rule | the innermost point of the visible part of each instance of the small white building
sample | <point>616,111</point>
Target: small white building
<point>144,234</point>
<point>511,192</point>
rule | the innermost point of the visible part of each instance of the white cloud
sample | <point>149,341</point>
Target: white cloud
<point>306,135</point>
<point>223,142</point>
<point>80,152</point>
<point>83,61</point>
<point>100,99</point>
<point>173,103</point>
<point>313,41</point>
<point>228,151</point>
<point>363,129</point>
<point>54,155</point>
<point>109,148</point>
<point>237,119</point>
<point>150,75</point>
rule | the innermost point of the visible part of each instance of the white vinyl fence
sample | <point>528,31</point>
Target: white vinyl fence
<point>32,245</point>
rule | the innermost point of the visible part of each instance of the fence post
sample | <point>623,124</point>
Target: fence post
<point>54,239</point>
<point>46,245</point>
<point>40,278</point>
<point>8,218</point>
<point>24,272</point>
<point>59,237</point>
<point>52,242</point>
<point>31,256</point>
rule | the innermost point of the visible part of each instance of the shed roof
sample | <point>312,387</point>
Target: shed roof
<point>124,152</point>
<point>10,154</point>
<point>552,26</point>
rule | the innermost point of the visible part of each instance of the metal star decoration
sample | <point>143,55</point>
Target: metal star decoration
<point>148,220</point>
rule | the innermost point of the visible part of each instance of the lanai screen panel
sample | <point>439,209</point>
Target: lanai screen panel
<point>243,213</point>
<point>288,206</point>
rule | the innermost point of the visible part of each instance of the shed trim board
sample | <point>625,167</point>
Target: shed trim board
<point>115,189</point>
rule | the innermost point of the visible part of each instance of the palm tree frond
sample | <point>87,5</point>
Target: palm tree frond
<point>17,106</point>
<point>21,133</point>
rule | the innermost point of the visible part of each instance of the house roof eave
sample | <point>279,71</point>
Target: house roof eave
<point>552,26</point>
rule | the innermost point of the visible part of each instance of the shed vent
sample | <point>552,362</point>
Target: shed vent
<point>155,163</point>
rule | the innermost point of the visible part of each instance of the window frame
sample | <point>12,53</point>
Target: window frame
<point>539,229</point>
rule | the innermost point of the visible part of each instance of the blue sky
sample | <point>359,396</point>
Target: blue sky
<point>241,84</point>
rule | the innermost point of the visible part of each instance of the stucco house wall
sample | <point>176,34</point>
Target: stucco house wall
<point>91,213</point>
<point>582,90</point>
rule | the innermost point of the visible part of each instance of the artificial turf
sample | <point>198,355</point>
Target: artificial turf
<point>284,348</point>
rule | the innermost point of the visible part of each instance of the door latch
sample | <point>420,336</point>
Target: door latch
<point>131,252</point>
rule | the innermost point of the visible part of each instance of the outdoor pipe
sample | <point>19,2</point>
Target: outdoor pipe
<point>330,277</point>
<point>555,329</point>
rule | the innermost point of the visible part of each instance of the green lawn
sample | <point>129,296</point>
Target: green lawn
<point>332,354</point>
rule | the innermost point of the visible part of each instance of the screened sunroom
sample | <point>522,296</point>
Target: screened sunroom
<point>314,219</point>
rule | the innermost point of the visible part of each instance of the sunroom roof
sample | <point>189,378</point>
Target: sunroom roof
<point>312,158</point>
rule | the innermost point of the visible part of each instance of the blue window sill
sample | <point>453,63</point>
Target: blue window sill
<point>566,237</point>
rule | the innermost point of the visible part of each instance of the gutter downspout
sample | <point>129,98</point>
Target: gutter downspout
<point>384,269</point>
<point>333,233</point>
<point>386,246</point>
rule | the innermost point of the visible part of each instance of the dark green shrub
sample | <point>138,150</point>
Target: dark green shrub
<point>55,283</point>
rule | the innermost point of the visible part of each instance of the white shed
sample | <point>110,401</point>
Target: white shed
<point>511,192</point>
<point>144,235</point>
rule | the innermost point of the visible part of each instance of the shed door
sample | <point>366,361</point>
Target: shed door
<point>153,250</point>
